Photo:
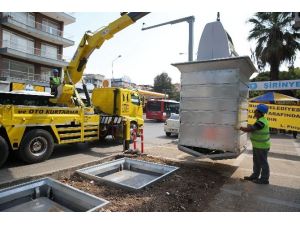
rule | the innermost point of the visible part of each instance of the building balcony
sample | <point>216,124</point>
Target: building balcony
<point>23,77</point>
<point>61,16</point>
<point>37,30</point>
<point>28,53</point>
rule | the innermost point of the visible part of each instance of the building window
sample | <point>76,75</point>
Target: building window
<point>51,27</point>
<point>18,70</point>
<point>46,73</point>
<point>22,17</point>
<point>49,51</point>
<point>17,42</point>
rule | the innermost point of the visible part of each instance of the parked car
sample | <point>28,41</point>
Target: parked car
<point>172,125</point>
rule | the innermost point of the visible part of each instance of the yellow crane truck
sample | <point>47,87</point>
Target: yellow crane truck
<point>31,125</point>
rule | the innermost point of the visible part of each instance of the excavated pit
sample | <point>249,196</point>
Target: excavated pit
<point>47,195</point>
<point>128,173</point>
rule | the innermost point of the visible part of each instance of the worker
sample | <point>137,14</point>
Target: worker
<point>54,82</point>
<point>260,139</point>
<point>295,134</point>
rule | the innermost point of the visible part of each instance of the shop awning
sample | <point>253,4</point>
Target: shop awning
<point>271,97</point>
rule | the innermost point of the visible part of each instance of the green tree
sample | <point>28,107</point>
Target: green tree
<point>176,95</point>
<point>277,40</point>
<point>163,84</point>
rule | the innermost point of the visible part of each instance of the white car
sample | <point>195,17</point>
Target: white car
<point>172,125</point>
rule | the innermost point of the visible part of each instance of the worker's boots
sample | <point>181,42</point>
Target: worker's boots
<point>251,178</point>
<point>261,181</point>
<point>256,180</point>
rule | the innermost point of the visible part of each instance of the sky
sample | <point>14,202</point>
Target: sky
<point>146,54</point>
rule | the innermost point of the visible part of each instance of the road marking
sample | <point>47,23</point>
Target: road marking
<point>263,199</point>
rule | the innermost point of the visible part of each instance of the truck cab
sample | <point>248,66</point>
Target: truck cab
<point>112,103</point>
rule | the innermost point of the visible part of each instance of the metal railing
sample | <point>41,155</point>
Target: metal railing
<point>39,26</point>
<point>7,75</point>
<point>30,50</point>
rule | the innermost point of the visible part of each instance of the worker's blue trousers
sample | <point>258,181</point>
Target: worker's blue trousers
<point>260,164</point>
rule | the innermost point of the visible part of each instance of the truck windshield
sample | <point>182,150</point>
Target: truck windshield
<point>135,99</point>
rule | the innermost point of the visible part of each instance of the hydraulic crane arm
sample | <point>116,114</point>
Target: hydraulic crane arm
<point>67,94</point>
<point>90,41</point>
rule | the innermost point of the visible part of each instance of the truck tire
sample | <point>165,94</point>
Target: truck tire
<point>4,151</point>
<point>36,146</point>
<point>168,134</point>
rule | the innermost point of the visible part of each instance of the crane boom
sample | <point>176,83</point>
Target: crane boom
<point>67,94</point>
<point>90,41</point>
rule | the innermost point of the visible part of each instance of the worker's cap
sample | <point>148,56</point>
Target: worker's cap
<point>262,108</point>
<point>55,70</point>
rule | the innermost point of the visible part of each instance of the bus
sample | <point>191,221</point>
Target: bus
<point>161,109</point>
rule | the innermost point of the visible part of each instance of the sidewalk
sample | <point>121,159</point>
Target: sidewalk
<point>283,192</point>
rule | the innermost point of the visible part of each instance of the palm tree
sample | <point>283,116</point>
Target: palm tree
<point>277,40</point>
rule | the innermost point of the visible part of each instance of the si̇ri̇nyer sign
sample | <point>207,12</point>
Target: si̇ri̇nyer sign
<point>275,85</point>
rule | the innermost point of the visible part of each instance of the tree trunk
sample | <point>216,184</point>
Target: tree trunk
<point>274,73</point>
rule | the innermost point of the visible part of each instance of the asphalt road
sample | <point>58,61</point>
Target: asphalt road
<point>155,135</point>
<point>66,156</point>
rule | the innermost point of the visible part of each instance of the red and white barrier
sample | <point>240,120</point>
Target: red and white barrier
<point>135,140</point>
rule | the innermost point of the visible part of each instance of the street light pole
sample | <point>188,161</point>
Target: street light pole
<point>190,20</point>
<point>112,66</point>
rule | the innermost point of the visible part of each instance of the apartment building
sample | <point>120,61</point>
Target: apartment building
<point>31,46</point>
<point>124,82</point>
<point>92,81</point>
<point>146,87</point>
<point>95,79</point>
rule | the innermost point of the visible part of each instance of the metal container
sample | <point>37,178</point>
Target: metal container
<point>128,173</point>
<point>47,195</point>
<point>213,102</point>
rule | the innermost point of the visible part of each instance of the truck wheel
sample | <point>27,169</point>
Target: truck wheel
<point>168,134</point>
<point>36,146</point>
<point>4,151</point>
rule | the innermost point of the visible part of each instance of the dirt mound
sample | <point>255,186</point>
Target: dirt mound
<point>188,189</point>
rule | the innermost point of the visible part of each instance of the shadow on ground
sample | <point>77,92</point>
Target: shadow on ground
<point>244,196</point>
<point>165,137</point>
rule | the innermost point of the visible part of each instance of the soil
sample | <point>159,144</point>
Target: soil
<point>190,189</point>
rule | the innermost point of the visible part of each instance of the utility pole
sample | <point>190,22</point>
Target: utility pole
<point>190,20</point>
